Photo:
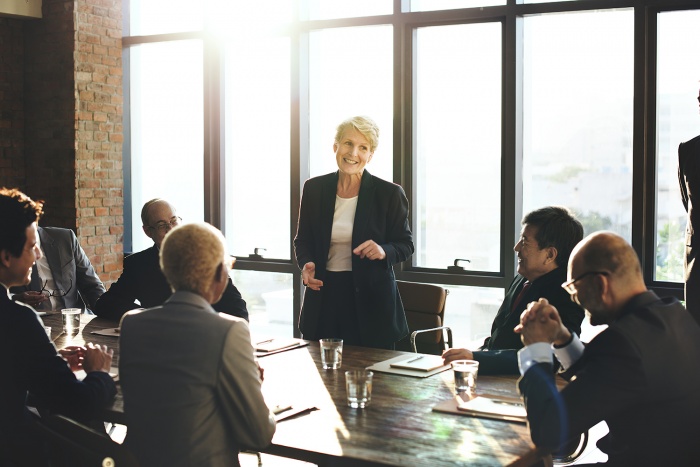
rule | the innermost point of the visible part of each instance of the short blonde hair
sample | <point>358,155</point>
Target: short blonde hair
<point>191,255</point>
<point>365,126</point>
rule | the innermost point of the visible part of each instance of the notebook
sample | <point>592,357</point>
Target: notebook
<point>493,408</point>
<point>279,343</point>
<point>419,362</point>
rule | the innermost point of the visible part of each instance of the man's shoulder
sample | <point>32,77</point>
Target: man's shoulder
<point>57,233</point>
<point>142,256</point>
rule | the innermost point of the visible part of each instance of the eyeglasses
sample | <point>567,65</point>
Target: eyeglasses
<point>571,288</point>
<point>57,292</point>
<point>163,226</point>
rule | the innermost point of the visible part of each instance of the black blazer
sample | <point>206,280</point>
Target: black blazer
<point>31,365</point>
<point>640,376</point>
<point>143,280</point>
<point>382,216</point>
<point>498,355</point>
<point>689,182</point>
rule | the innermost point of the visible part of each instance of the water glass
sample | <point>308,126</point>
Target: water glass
<point>358,384</point>
<point>48,331</point>
<point>466,372</point>
<point>331,353</point>
<point>71,320</point>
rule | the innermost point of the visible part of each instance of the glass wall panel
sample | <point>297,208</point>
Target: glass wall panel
<point>433,5</point>
<point>331,9</point>
<point>257,134</point>
<point>166,130</point>
<point>677,120</point>
<point>457,124</point>
<point>350,73</point>
<point>268,297</point>
<point>578,92</point>
<point>164,16</point>
<point>469,312</point>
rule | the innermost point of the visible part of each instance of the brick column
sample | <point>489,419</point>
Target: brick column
<point>73,137</point>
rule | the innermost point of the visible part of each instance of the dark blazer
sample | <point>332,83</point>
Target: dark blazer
<point>32,365</point>
<point>640,376</point>
<point>143,280</point>
<point>69,265</point>
<point>689,181</point>
<point>382,216</point>
<point>499,355</point>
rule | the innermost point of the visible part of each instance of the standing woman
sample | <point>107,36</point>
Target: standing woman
<point>353,227</point>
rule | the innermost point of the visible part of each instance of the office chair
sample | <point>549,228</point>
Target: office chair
<point>571,451</point>
<point>424,305</point>
<point>72,444</point>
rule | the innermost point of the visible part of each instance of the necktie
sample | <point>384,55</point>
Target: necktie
<point>520,296</point>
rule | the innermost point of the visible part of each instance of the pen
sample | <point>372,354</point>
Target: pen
<point>515,404</point>
<point>414,359</point>
<point>264,342</point>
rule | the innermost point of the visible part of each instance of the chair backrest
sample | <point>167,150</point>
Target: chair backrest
<point>425,309</point>
<point>73,444</point>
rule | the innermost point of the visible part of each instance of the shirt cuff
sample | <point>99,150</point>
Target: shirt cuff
<point>539,352</point>
<point>570,353</point>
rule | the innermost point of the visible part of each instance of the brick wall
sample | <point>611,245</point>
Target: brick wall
<point>63,125</point>
<point>99,133</point>
<point>12,172</point>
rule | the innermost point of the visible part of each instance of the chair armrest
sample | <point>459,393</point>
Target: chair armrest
<point>440,328</point>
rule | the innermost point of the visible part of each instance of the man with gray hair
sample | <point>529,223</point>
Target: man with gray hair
<point>192,388</point>
<point>639,375</point>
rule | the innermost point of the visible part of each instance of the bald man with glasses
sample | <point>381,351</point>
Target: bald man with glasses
<point>142,278</point>
<point>639,375</point>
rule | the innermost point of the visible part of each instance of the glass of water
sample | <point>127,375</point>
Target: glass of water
<point>466,372</point>
<point>331,353</point>
<point>358,384</point>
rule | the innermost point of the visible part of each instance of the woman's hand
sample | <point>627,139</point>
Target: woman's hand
<point>308,274</point>
<point>370,250</point>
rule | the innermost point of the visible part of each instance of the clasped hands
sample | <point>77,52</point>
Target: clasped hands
<point>370,249</point>
<point>540,322</point>
<point>89,358</point>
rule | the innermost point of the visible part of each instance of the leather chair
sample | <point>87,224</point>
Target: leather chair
<point>425,312</point>
<point>72,444</point>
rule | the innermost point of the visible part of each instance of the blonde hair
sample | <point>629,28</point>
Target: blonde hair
<point>364,125</point>
<point>191,255</point>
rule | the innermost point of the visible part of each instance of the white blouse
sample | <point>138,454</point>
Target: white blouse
<point>340,252</point>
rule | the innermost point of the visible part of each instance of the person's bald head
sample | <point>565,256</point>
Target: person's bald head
<point>607,274</point>
<point>158,217</point>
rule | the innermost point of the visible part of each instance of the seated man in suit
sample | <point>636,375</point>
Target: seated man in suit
<point>31,363</point>
<point>546,240</point>
<point>63,277</point>
<point>639,375</point>
<point>196,399</point>
<point>142,278</point>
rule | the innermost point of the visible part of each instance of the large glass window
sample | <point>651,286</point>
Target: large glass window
<point>163,16</point>
<point>677,120</point>
<point>457,122</point>
<point>269,300</point>
<point>469,312</point>
<point>350,73</point>
<point>433,5</point>
<point>257,132</point>
<point>329,9</point>
<point>166,130</point>
<point>578,92</point>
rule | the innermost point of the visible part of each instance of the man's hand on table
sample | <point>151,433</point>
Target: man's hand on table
<point>97,358</point>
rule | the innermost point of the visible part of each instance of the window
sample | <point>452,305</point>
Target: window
<point>578,91</point>
<point>457,123</point>
<point>257,161</point>
<point>677,120</point>
<point>166,130</point>
<point>350,73</point>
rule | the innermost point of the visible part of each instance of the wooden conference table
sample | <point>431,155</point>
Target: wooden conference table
<point>398,428</point>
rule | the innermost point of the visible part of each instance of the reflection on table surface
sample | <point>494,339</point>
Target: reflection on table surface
<point>398,428</point>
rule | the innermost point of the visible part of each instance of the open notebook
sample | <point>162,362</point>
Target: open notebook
<point>419,363</point>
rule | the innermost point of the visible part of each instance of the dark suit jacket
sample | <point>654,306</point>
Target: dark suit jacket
<point>640,376</point>
<point>499,355</point>
<point>689,180</point>
<point>32,365</point>
<point>69,265</point>
<point>382,216</point>
<point>143,280</point>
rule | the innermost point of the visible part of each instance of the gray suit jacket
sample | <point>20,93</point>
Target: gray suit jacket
<point>191,385</point>
<point>69,265</point>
